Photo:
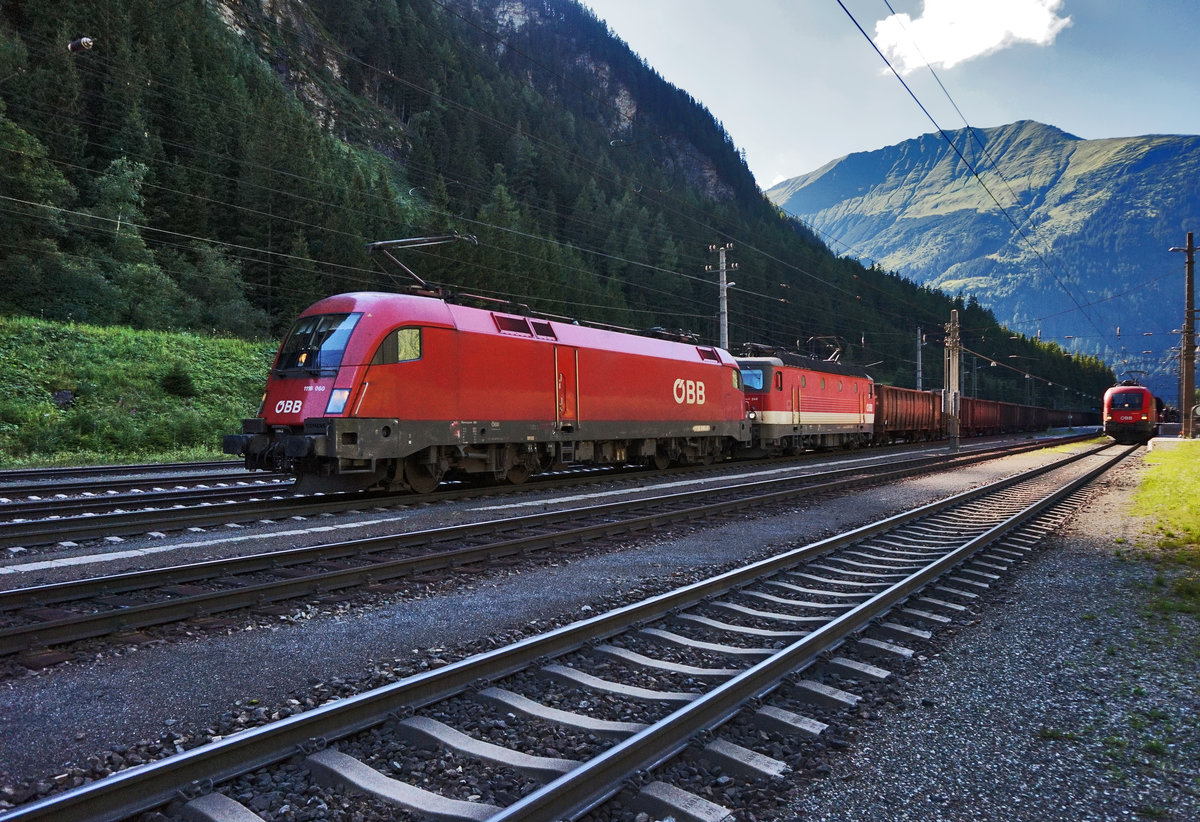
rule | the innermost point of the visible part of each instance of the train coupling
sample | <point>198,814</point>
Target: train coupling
<point>254,439</point>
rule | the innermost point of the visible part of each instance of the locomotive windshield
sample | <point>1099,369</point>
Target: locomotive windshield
<point>316,344</point>
<point>1126,401</point>
<point>752,378</point>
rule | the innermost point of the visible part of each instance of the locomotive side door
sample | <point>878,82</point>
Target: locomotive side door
<point>795,399</point>
<point>566,387</point>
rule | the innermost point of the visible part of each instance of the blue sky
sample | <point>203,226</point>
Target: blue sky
<point>797,85</point>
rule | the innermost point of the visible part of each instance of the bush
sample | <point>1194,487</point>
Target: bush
<point>178,381</point>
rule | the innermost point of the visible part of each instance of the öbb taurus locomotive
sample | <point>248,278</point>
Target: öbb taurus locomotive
<point>1130,413</point>
<point>399,391</point>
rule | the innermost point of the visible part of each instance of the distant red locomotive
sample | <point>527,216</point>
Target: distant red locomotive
<point>799,403</point>
<point>1130,413</point>
<point>399,391</point>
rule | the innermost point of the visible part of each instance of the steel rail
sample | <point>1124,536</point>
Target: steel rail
<point>39,532</point>
<point>51,510</point>
<point>100,623</point>
<point>144,787</point>
<point>27,474</point>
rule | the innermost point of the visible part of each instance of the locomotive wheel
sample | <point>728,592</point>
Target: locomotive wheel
<point>421,478</point>
<point>518,474</point>
<point>661,461</point>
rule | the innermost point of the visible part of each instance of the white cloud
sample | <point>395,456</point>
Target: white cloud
<point>949,32</point>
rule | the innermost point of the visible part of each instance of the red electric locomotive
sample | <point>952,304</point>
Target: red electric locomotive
<point>801,403</point>
<point>1130,413</point>
<point>398,391</point>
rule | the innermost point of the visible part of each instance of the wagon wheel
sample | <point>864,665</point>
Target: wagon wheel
<point>661,460</point>
<point>421,478</point>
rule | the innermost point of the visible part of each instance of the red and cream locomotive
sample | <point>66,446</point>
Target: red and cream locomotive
<point>798,403</point>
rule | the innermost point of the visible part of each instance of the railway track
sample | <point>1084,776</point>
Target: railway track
<point>66,502</point>
<point>11,476</point>
<point>37,617</point>
<point>648,705</point>
<point>48,522</point>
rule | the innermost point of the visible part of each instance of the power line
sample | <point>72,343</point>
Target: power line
<point>968,164</point>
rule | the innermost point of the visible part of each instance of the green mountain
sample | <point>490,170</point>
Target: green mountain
<point>218,166</point>
<point>1058,236</point>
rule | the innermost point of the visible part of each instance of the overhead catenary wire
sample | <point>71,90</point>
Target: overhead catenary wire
<point>974,172</point>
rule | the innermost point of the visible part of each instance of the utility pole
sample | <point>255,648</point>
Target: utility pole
<point>723,292</point>
<point>952,402</point>
<point>1187,351</point>
<point>919,343</point>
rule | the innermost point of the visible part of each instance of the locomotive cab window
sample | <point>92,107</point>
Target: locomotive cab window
<point>753,379</point>
<point>1127,402</point>
<point>402,345</point>
<point>316,344</point>
<point>778,380</point>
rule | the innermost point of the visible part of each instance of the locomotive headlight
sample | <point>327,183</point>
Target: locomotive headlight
<point>751,415</point>
<point>337,401</point>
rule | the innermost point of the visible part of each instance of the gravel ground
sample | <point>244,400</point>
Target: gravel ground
<point>1068,699</point>
<point>983,728</point>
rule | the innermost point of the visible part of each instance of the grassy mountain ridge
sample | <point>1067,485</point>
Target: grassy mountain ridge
<point>1097,217</point>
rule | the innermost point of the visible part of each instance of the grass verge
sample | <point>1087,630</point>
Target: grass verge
<point>84,395</point>
<point>1170,495</point>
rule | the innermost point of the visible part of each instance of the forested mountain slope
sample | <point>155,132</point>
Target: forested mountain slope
<point>219,165</point>
<point>1079,248</point>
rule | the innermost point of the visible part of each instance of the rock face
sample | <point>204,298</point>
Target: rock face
<point>1079,248</point>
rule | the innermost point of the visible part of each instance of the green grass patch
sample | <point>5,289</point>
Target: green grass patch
<point>79,395</point>
<point>1170,496</point>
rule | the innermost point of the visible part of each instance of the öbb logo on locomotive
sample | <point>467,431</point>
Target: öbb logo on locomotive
<point>689,392</point>
<point>288,407</point>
